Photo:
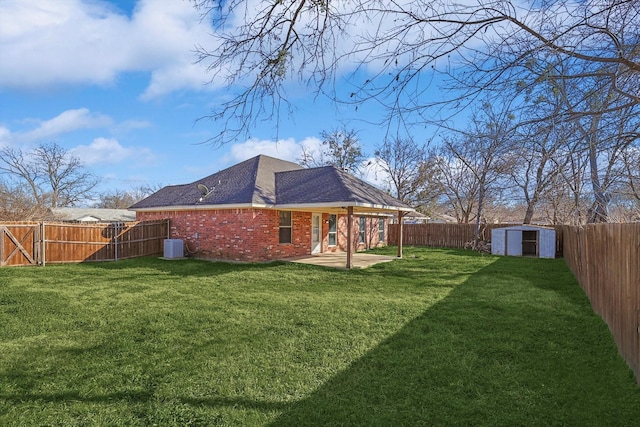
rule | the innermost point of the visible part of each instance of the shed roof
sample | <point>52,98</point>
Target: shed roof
<point>525,227</point>
<point>264,181</point>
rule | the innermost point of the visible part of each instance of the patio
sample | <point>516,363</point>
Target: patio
<point>339,260</point>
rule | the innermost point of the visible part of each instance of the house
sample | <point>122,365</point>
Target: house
<point>265,209</point>
<point>92,215</point>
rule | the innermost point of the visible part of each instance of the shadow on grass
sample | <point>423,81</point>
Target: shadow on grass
<point>516,344</point>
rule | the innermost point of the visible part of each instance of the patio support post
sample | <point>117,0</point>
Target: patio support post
<point>349,235</point>
<point>399,234</point>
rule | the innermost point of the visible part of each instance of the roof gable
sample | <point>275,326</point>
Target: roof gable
<point>248,182</point>
<point>267,181</point>
<point>329,184</point>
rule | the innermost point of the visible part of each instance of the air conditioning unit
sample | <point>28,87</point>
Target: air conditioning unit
<point>173,248</point>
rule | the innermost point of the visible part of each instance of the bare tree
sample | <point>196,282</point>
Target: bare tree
<point>386,50</point>
<point>534,164</point>
<point>51,176</point>
<point>573,67</point>
<point>630,174</point>
<point>404,162</point>
<point>122,199</point>
<point>340,148</point>
<point>16,204</point>
<point>116,199</point>
<point>460,186</point>
<point>482,150</point>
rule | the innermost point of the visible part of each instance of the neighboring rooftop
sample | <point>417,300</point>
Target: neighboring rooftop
<point>93,215</point>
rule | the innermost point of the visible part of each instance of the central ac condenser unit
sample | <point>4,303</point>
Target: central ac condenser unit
<point>173,248</point>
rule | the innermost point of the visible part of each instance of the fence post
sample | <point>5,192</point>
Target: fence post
<point>115,239</point>
<point>43,243</point>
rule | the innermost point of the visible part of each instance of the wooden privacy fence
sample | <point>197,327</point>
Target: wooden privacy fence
<point>449,235</point>
<point>605,258</point>
<point>24,243</point>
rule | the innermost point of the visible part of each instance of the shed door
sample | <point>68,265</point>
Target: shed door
<point>315,234</point>
<point>547,243</point>
<point>514,242</point>
<point>530,242</point>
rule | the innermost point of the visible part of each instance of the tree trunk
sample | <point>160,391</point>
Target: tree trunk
<point>529,213</point>
<point>599,210</point>
<point>476,238</point>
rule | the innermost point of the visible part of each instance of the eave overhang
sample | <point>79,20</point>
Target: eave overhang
<point>333,207</point>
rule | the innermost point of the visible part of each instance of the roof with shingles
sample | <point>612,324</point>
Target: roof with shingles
<point>329,184</point>
<point>264,181</point>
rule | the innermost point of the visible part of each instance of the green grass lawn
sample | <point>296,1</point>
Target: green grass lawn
<point>441,337</point>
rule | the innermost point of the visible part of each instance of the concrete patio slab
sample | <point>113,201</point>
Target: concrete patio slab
<point>339,260</point>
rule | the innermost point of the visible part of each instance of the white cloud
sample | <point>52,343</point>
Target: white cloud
<point>5,136</point>
<point>47,43</point>
<point>65,122</point>
<point>185,75</point>
<point>100,151</point>
<point>129,125</point>
<point>108,151</point>
<point>285,149</point>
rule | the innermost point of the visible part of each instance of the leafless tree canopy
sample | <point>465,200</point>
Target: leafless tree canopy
<point>47,176</point>
<point>570,71</point>
<point>388,51</point>
<point>404,161</point>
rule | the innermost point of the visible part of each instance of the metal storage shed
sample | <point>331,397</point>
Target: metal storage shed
<point>524,240</point>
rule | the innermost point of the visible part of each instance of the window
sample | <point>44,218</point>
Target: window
<point>381,230</point>
<point>333,230</point>
<point>362,229</point>
<point>285,226</point>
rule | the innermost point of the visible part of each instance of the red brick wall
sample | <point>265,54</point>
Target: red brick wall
<point>371,233</point>
<point>236,234</point>
<point>253,234</point>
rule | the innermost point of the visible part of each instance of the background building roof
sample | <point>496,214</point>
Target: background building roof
<point>93,215</point>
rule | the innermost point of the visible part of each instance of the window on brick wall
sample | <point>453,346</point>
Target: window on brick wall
<point>381,230</point>
<point>362,229</point>
<point>285,226</point>
<point>333,230</point>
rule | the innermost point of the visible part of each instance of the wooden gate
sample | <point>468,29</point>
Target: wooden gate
<point>20,244</point>
<point>31,243</point>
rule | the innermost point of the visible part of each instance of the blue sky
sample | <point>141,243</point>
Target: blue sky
<point>115,83</point>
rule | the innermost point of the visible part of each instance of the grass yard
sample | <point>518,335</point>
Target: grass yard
<point>441,337</point>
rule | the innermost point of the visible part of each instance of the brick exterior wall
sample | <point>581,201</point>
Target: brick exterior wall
<point>371,239</point>
<point>252,235</point>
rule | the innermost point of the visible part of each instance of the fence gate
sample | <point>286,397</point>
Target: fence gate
<point>19,245</point>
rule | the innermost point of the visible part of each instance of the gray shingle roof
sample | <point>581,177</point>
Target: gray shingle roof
<point>248,182</point>
<point>329,184</point>
<point>266,181</point>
